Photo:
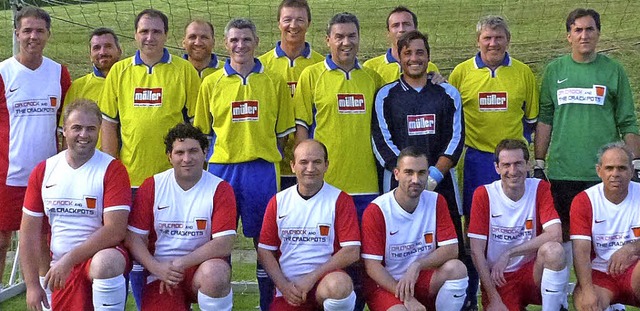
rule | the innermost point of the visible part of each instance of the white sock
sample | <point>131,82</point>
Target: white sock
<point>452,294</point>
<point>347,303</point>
<point>207,303</point>
<point>109,294</point>
<point>616,307</point>
<point>552,289</point>
<point>48,292</point>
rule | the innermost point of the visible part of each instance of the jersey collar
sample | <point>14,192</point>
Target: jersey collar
<point>389,57</point>
<point>328,62</point>
<point>97,72</point>
<point>505,62</point>
<point>212,64</point>
<point>166,58</point>
<point>306,52</point>
<point>228,70</point>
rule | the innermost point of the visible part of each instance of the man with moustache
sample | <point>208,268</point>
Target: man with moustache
<point>198,42</point>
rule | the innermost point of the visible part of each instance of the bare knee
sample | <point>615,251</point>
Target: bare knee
<point>107,263</point>
<point>552,255</point>
<point>213,278</point>
<point>453,269</point>
<point>335,285</point>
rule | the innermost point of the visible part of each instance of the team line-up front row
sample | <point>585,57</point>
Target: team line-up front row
<point>250,105</point>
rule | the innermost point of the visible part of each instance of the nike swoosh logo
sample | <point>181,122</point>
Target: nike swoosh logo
<point>563,80</point>
<point>281,216</point>
<point>550,290</point>
<point>49,186</point>
<point>13,90</point>
<point>494,216</point>
<point>163,207</point>
<point>600,220</point>
<point>394,232</point>
<point>458,296</point>
<point>109,304</point>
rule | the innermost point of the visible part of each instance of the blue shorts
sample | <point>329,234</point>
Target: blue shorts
<point>361,201</point>
<point>479,169</point>
<point>254,183</point>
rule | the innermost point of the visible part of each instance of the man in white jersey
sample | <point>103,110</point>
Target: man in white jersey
<point>515,237</point>
<point>32,90</point>
<point>410,245</point>
<point>85,196</point>
<point>309,233</point>
<point>605,230</point>
<point>182,229</point>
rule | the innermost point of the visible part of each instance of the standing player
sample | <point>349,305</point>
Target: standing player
<point>248,111</point>
<point>32,90</point>
<point>291,55</point>
<point>585,102</point>
<point>409,245</point>
<point>198,42</point>
<point>104,50</point>
<point>515,237</point>
<point>182,229</point>
<point>310,233</point>
<point>85,196</point>
<point>399,21</point>
<point>605,229</point>
<point>499,100</point>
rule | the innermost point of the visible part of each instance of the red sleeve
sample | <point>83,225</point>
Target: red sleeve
<point>374,231</point>
<point>141,216</point>
<point>544,204</point>
<point>479,219</point>
<point>33,196</point>
<point>581,215</point>
<point>347,229</point>
<point>117,188</point>
<point>224,209</point>
<point>65,84</point>
<point>269,233</point>
<point>444,226</point>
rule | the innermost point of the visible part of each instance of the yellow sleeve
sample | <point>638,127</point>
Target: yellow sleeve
<point>202,117</point>
<point>532,107</point>
<point>455,78</point>
<point>285,123</point>
<point>109,97</point>
<point>303,99</point>
<point>192,87</point>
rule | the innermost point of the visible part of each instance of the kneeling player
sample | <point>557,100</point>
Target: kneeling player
<point>85,196</point>
<point>182,229</point>
<point>410,245</point>
<point>515,236</point>
<point>605,231</point>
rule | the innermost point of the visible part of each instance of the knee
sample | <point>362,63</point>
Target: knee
<point>213,278</point>
<point>454,269</point>
<point>107,263</point>
<point>335,285</point>
<point>552,254</point>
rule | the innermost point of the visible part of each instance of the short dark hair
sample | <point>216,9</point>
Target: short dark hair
<point>302,4</point>
<point>30,11</point>
<point>400,9</point>
<point>104,31</point>
<point>343,18</point>
<point>580,12</point>
<point>511,144</point>
<point>615,145</point>
<point>84,105</point>
<point>407,37</point>
<point>202,22</point>
<point>183,131</point>
<point>411,151</point>
<point>241,23</point>
<point>324,148</point>
<point>154,14</point>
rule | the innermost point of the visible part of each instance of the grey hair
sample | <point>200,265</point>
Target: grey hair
<point>493,22</point>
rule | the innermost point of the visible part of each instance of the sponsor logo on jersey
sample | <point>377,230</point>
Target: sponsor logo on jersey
<point>528,224</point>
<point>616,240</point>
<point>35,107</point>
<point>493,101</point>
<point>53,100</point>
<point>75,207</point>
<point>636,231</point>
<point>351,103</point>
<point>179,229</point>
<point>509,234</point>
<point>147,97</point>
<point>309,236</point>
<point>91,202</point>
<point>246,110</point>
<point>428,237</point>
<point>400,251</point>
<point>201,223</point>
<point>421,124</point>
<point>292,87</point>
<point>584,96</point>
<point>324,229</point>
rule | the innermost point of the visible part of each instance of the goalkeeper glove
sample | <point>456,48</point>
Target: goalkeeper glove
<point>435,177</point>
<point>636,170</point>
<point>538,170</point>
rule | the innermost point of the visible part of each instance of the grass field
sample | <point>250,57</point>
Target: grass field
<point>537,28</point>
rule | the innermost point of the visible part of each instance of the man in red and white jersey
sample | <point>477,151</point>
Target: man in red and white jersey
<point>85,196</point>
<point>605,231</point>
<point>515,237</point>
<point>32,89</point>
<point>410,245</point>
<point>182,229</point>
<point>309,234</point>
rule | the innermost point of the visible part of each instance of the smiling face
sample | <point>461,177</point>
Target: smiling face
<point>493,44</point>
<point>414,59</point>
<point>241,45</point>
<point>81,130</point>
<point>198,41</point>
<point>343,41</point>
<point>293,25</point>
<point>150,35</point>
<point>309,165</point>
<point>512,168</point>
<point>32,35</point>
<point>104,51</point>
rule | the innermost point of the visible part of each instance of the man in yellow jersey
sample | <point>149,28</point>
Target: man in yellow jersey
<point>198,42</point>
<point>399,21</point>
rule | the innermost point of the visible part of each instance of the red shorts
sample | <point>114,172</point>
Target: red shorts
<point>380,299</point>
<point>619,285</point>
<point>520,289</point>
<point>11,200</point>
<point>280,303</point>
<point>181,300</point>
<point>77,293</point>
